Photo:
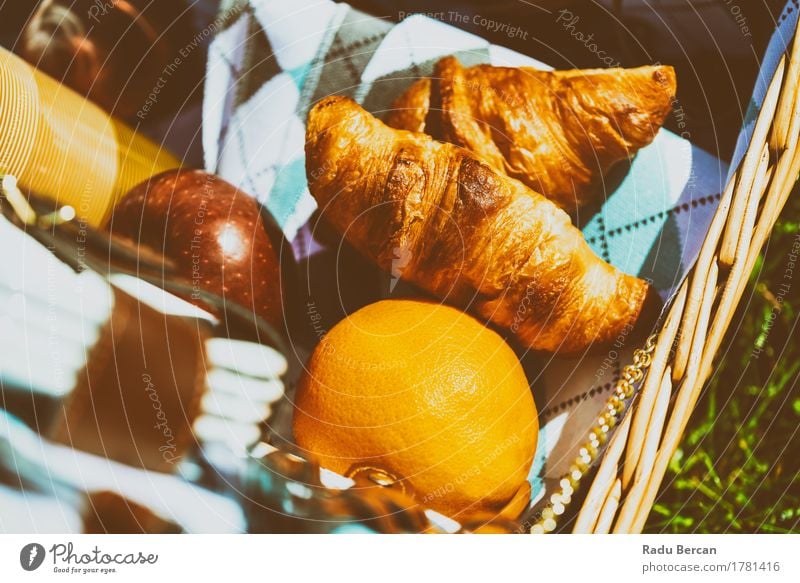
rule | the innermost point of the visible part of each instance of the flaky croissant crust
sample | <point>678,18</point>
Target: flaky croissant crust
<point>463,231</point>
<point>559,132</point>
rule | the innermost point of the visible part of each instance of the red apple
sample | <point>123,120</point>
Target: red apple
<point>214,234</point>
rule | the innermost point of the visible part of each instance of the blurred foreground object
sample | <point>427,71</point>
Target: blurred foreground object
<point>115,52</point>
<point>63,147</point>
<point>47,487</point>
<point>117,395</point>
<point>98,359</point>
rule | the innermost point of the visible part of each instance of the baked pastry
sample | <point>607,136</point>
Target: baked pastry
<point>438,216</point>
<point>559,132</point>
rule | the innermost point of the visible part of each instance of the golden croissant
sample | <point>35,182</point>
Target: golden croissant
<point>436,215</point>
<point>559,132</point>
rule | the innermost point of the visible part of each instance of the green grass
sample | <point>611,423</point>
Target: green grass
<point>737,469</point>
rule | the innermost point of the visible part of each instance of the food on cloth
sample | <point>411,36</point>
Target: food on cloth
<point>438,216</point>
<point>559,132</point>
<point>63,147</point>
<point>214,234</point>
<point>425,395</point>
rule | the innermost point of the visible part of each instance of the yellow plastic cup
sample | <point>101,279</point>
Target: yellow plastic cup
<point>62,146</point>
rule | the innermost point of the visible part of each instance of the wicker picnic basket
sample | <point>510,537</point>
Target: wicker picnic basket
<point>650,418</point>
<point>627,450</point>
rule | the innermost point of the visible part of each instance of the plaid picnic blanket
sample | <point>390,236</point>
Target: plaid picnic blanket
<point>271,60</point>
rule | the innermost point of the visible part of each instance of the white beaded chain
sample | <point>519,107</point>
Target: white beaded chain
<point>615,407</point>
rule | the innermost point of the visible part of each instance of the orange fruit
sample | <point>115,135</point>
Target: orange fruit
<point>424,393</point>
